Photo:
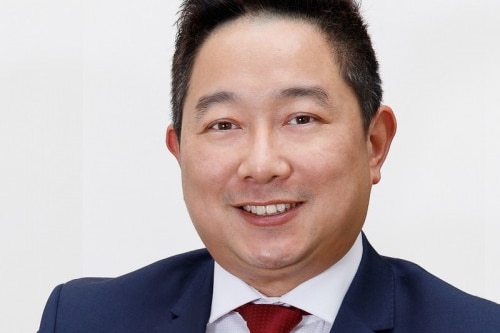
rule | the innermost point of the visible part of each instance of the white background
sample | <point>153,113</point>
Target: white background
<point>87,186</point>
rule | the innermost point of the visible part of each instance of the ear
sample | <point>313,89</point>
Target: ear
<point>380,134</point>
<point>172,142</point>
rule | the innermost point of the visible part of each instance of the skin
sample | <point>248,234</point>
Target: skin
<point>268,120</point>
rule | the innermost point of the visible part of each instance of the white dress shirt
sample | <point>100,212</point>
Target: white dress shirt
<point>320,296</point>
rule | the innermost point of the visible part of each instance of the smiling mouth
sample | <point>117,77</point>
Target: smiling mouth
<point>269,210</point>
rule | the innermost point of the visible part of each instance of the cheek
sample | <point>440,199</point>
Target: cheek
<point>205,173</point>
<point>340,170</point>
<point>202,162</point>
<point>203,180</point>
<point>327,162</point>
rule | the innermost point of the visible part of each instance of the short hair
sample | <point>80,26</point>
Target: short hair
<point>339,20</point>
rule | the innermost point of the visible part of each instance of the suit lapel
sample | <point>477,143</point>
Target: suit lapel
<point>192,310</point>
<point>347,322</point>
<point>369,303</point>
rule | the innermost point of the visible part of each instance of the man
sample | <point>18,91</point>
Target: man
<point>279,132</point>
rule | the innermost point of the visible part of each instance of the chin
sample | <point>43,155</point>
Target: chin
<point>272,260</point>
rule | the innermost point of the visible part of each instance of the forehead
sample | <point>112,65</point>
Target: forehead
<point>263,19</point>
<point>253,29</point>
<point>257,48</point>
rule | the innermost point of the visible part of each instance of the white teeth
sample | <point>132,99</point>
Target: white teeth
<point>269,209</point>
<point>261,210</point>
<point>281,208</point>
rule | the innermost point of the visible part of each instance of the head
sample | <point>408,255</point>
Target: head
<point>339,21</point>
<point>281,136</point>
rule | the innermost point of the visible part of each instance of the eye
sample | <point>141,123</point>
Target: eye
<point>301,120</point>
<point>223,125</point>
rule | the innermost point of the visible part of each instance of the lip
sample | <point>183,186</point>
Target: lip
<point>274,219</point>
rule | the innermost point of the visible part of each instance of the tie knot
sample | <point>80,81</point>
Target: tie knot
<point>270,318</point>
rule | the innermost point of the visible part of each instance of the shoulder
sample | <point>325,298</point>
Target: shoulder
<point>174,270</point>
<point>390,293</point>
<point>419,294</point>
<point>100,303</point>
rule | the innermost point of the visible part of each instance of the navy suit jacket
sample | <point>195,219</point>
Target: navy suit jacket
<point>174,296</point>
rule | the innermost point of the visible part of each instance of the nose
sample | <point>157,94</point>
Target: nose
<point>264,159</point>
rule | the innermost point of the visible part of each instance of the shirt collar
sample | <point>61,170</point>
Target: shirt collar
<point>230,292</point>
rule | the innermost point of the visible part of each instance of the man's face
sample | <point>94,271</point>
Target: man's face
<point>276,167</point>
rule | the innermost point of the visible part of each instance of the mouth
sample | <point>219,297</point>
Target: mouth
<point>269,210</point>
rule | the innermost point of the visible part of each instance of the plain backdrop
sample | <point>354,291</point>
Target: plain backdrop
<point>87,187</point>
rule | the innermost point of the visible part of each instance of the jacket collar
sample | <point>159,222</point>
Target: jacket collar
<point>191,312</point>
<point>369,303</point>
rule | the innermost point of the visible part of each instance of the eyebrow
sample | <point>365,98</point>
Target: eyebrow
<point>317,94</point>
<point>205,102</point>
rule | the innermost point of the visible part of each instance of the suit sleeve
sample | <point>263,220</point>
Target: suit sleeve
<point>49,317</point>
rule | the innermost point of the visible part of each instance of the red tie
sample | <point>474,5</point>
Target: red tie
<point>270,318</point>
